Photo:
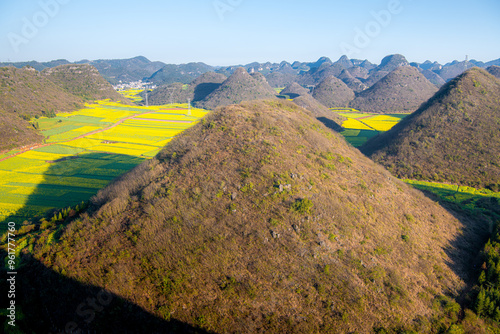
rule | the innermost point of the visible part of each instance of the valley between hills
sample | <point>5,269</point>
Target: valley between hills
<point>325,197</point>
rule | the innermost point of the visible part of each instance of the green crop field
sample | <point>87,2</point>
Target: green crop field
<point>475,202</point>
<point>359,127</point>
<point>82,152</point>
<point>132,94</point>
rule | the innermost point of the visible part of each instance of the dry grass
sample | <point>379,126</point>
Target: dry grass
<point>453,138</point>
<point>260,219</point>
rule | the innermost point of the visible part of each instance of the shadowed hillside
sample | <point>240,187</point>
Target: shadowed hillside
<point>206,84</point>
<point>345,62</point>
<point>453,69</point>
<point>454,137</point>
<point>434,78</point>
<point>294,90</point>
<point>353,83</point>
<point>47,301</point>
<point>494,70</point>
<point>240,86</point>
<point>260,219</point>
<point>177,92</point>
<point>404,89</point>
<point>330,119</point>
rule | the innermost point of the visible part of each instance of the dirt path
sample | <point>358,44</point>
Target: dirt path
<point>32,147</point>
<point>96,131</point>
<point>163,120</point>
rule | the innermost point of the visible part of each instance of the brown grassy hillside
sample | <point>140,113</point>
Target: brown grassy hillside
<point>240,86</point>
<point>25,93</point>
<point>317,74</point>
<point>320,112</point>
<point>172,93</point>
<point>434,78</point>
<point>177,92</point>
<point>404,89</point>
<point>387,65</point>
<point>260,219</point>
<point>279,79</point>
<point>16,132</point>
<point>294,90</point>
<point>353,83</point>
<point>83,80</point>
<point>333,93</point>
<point>454,137</point>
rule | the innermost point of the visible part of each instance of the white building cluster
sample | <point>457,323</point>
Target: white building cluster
<point>133,85</point>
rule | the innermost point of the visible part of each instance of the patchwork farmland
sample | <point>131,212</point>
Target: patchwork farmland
<point>82,152</point>
<point>360,127</point>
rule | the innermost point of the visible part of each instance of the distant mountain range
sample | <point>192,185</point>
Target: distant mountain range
<point>277,74</point>
<point>346,82</point>
<point>113,70</point>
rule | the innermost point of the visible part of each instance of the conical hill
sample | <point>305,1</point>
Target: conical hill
<point>402,90</point>
<point>240,86</point>
<point>454,137</point>
<point>261,219</point>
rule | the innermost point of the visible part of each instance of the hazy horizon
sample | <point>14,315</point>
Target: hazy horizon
<point>232,32</point>
<point>243,64</point>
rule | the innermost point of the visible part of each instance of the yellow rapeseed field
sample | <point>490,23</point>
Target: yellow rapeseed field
<point>70,170</point>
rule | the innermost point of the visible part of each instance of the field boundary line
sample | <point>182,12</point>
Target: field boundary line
<point>95,132</point>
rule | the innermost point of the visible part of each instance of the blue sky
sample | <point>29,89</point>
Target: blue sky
<point>228,32</point>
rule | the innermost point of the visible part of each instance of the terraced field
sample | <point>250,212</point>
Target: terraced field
<point>132,94</point>
<point>83,151</point>
<point>360,127</point>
